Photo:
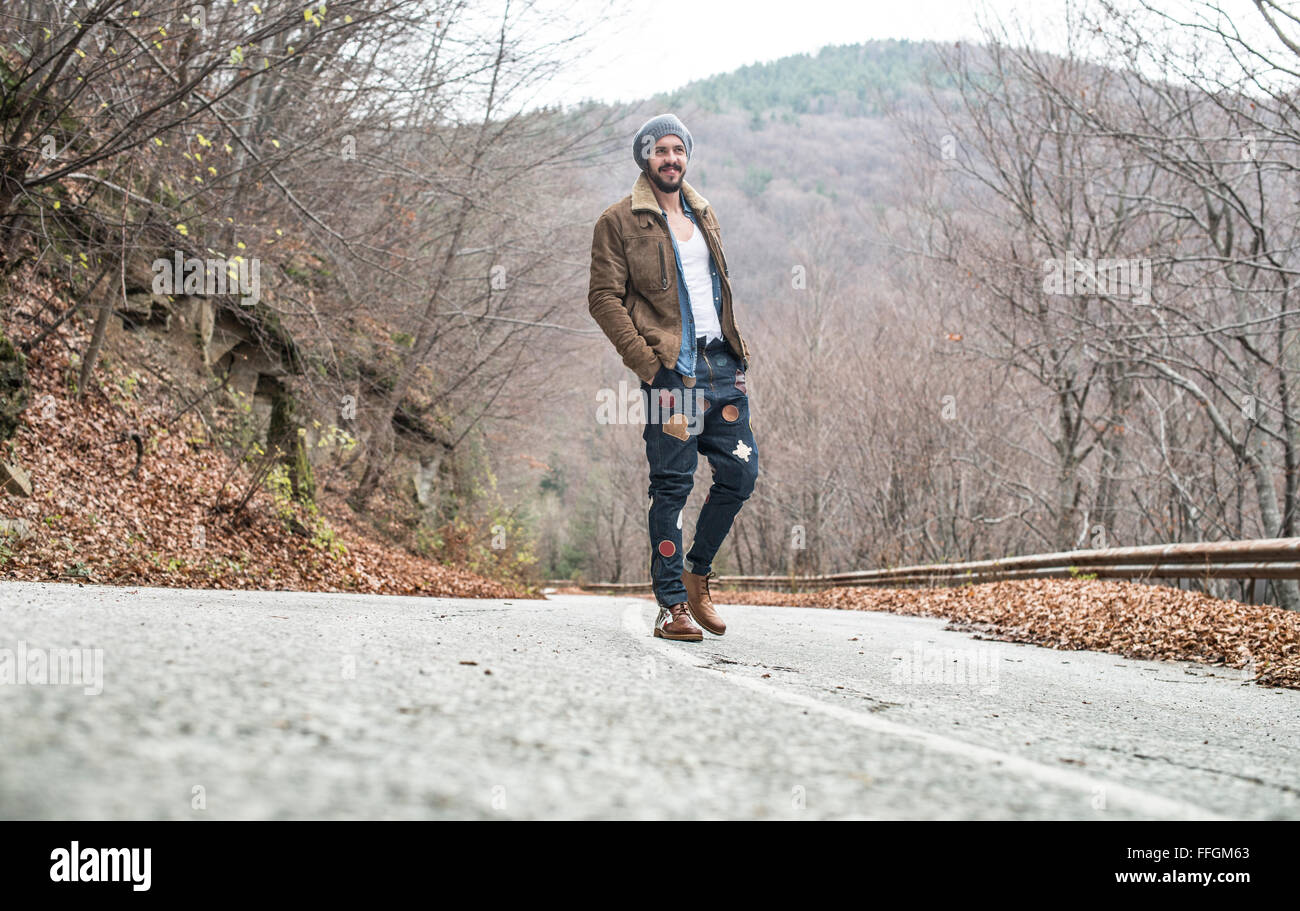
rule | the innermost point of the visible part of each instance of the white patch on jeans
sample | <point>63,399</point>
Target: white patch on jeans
<point>679,519</point>
<point>663,618</point>
<point>741,451</point>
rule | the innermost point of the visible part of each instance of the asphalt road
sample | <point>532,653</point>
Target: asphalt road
<point>236,705</point>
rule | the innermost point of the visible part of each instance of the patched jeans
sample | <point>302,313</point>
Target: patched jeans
<point>710,419</point>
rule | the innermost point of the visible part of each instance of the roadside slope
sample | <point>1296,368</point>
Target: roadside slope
<point>129,488</point>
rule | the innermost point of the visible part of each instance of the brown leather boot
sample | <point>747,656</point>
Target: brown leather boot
<point>675,623</point>
<point>700,604</point>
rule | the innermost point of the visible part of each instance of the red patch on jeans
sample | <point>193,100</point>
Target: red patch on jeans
<point>740,381</point>
<point>667,548</point>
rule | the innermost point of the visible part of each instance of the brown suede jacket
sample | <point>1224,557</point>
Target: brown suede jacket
<point>633,290</point>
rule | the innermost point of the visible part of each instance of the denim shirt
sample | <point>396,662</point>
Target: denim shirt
<point>686,356</point>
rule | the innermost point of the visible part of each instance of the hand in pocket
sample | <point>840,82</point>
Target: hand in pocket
<point>666,378</point>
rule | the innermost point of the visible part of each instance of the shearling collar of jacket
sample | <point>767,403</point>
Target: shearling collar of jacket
<point>643,197</point>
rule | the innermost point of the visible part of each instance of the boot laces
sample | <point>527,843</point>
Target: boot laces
<point>675,612</point>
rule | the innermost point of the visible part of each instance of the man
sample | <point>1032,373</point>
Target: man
<point>661,292</point>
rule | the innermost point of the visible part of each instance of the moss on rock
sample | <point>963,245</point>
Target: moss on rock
<point>285,433</point>
<point>14,387</point>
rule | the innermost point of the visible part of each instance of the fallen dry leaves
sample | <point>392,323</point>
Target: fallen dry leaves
<point>94,521</point>
<point>1126,618</point>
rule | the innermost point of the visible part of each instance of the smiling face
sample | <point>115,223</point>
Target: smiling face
<point>667,163</point>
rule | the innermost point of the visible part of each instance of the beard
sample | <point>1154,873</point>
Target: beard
<point>666,186</point>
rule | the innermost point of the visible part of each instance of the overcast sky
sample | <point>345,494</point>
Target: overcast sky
<point>640,47</point>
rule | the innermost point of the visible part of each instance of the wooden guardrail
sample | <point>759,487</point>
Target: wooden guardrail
<point>1265,558</point>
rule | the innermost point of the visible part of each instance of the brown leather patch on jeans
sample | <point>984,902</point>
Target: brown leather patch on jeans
<point>675,426</point>
<point>730,412</point>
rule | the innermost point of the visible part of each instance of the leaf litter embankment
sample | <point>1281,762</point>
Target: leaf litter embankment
<point>1127,618</point>
<point>94,516</point>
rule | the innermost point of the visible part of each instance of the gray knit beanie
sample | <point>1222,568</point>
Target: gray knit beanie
<point>656,128</point>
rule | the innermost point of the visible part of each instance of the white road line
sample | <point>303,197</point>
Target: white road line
<point>1116,795</point>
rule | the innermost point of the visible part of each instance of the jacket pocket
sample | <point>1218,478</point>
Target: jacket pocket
<point>645,265</point>
<point>663,269</point>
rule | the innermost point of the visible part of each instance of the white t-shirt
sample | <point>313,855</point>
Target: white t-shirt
<point>699,285</point>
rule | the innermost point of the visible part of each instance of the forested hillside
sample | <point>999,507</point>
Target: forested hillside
<point>854,80</point>
<point>303,241</point>
<point>402,349</point>
<point>1035,303</point>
